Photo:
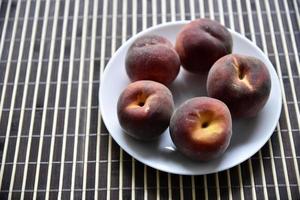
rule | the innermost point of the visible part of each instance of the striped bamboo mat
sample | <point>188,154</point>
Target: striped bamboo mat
<point>53,143</point>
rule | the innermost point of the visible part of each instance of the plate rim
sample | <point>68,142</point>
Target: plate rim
<point>183,22</point>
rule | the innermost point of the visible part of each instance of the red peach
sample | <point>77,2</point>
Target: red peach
<point>242,82</point>
<point>152,57</point>
<point>144,109</point>
<point>201,128</point>
<point>202,42</point>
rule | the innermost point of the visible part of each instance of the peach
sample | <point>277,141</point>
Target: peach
<point>144,109</point>
<point>152,57</point>
<point>201,128</point>
<point>202,42</point>
<point>242,82</point>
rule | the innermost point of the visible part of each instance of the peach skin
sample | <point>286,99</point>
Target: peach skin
<point>242,82</point>
<point>144,109</point>
<point>201,128</point>
<point>152,57</point>
<point>202,42</point>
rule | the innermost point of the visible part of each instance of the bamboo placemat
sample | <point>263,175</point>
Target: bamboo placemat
<point>53,143</point>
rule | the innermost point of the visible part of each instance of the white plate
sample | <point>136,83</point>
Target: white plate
<point>248,135</point>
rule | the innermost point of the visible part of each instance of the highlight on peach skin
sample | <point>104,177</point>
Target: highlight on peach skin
<point>202,42</point>
<point>242,82</point>
<point>152,57</point>
<point>144,109</point>
<point>201,128</point>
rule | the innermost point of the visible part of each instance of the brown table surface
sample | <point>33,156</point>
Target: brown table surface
<point>53,143</point>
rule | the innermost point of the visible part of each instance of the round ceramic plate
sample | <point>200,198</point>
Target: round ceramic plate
<point>249,135</point>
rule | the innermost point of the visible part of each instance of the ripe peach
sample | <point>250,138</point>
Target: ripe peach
<point>152,57</point>
<point>201,128</point>
<point>242,82</point>
<point>201,43</point>
<point>144,109</point>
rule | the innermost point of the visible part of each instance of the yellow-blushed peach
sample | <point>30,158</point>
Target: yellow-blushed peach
<point>201,128</point>
<point>144,109</point>
<point>242,82</point>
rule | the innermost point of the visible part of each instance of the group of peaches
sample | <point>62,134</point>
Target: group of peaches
<point>238,86</point>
